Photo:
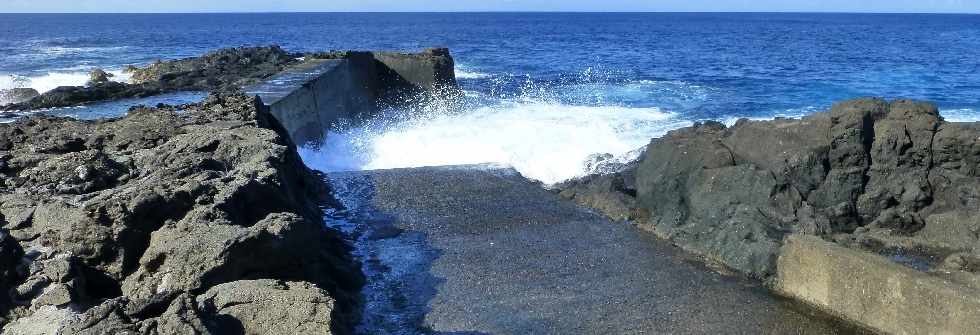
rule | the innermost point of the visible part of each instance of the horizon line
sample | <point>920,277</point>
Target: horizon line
<point>506,12</point>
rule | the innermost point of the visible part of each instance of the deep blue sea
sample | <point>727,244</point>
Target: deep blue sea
<point>546,91</point>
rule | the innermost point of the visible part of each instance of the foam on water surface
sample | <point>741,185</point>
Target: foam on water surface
<point>464,72</point>
<point>43,82</point>
<point>546,142</point>
<point>960,115</point>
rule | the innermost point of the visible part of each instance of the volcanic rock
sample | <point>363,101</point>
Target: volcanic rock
<point>98,76</point>
<point>221,70</point>
<point>17,95</point>
<point>160,222</point>
<point>868,173</point>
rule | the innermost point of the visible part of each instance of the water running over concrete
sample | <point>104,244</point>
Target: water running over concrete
<point>481,250</point>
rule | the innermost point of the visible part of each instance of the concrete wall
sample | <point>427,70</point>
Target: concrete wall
<point>432,69</point>
<point>874,291</point>
<point>310,98</point>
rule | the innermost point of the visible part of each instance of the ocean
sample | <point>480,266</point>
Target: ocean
<point>545,92</point>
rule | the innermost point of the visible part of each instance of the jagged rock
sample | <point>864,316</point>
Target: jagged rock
<point>76,95</point>
<point>901,155</point>
<point>269,307</point>
<point>98,76</point>
<point>108,317</point>
<point>221,70</point>
<point>126,221</point>
<point>47,320</point>
<point>218,69</point>
<point>17,95</point>
<point>613,195</point>
<point>884,174</point>
<point>183,317</point>
<point>392,75</point>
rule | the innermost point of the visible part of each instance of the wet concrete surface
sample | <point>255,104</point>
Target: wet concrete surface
<point>481,250</point>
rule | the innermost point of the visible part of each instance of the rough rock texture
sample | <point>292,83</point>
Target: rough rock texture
<point>399,76</point>
<point>142,224</point>
<point>270,306</point>
<point>610,188</point>
<point>64,96</point>
<point>220,70</point>
<point>868,173</point>
<point>99,76</point>
<point>17,95</point>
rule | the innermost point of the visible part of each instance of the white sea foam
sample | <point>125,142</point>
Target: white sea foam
<point>463,72</point>
<point>544,141</point>
<point>62,50</point>
<point>51,80</point>
<point>960,115</point>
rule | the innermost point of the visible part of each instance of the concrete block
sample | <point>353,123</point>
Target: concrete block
<point>874,291</point>
<point>309,98</point>
<point>431,70</point>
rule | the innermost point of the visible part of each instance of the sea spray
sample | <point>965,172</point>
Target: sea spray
<point>43,82</point>
<point>546,142</point>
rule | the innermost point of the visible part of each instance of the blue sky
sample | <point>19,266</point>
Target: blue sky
<point>958,6</point>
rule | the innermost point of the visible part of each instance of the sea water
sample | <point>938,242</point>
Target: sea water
<point>544,93</point>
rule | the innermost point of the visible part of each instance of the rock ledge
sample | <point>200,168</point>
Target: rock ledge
<point>167,222</point>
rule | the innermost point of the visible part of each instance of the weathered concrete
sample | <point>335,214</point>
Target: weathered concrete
<point>313,96</point>
<point>309,98</point>
<point>481,250</point>
<point>874,291</point>
<point>432,69</point>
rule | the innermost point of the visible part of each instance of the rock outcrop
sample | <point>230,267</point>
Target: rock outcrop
<point>392,77</point>
<point>217,70</point>
<point>17,95</point>
<point>201,221</point>
<point>610,190</point>
<point>869,173</point>
<point>221,70</point>
<point>99,76</point>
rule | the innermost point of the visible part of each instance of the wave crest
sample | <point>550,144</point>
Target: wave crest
<point>50,80</point>
<point>547,142</point>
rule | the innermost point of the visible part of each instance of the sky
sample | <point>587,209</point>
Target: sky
<point>151,6</point>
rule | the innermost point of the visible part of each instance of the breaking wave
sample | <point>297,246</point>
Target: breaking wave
<point>546,142</point>
<point>960,115</point>
<point>47,81</point>
<point>467,73</point>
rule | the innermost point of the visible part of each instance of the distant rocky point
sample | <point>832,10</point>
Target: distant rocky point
<point>232,69</point>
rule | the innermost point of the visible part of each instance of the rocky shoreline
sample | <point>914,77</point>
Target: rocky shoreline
<point>203,219</point>
<point>871,174</point>
<point>221,70</point>
<point>888,178</point>
<point>199,218</point>
<point>231,69</point>
<point>200,221</point>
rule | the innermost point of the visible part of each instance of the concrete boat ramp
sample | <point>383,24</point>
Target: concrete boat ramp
<point>482,250</point>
